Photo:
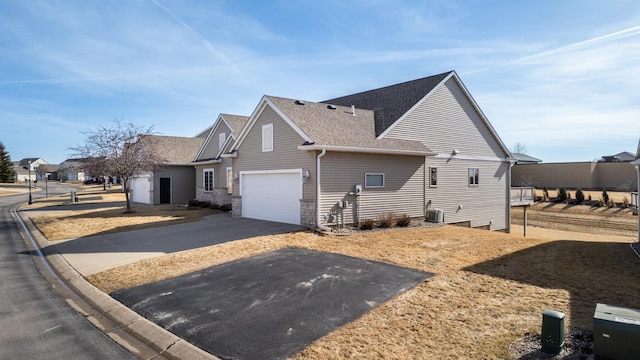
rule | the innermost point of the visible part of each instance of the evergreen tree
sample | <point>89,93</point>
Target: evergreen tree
<point>7,174</point>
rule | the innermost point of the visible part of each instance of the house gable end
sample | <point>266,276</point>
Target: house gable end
<point>257,113</point>
<point>446,119</point>
<point>211,147</point>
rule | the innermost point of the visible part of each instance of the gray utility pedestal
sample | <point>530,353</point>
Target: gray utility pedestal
<point>552,331</point>
<point>616,333</point>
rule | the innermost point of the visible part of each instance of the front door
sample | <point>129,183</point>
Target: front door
<point>165,190</point>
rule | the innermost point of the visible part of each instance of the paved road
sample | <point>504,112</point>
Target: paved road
<point>35,322</point>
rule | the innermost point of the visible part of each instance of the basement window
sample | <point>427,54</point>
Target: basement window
<point>374,180</point>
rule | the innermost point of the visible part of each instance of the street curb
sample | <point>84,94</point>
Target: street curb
<point>166,344</point>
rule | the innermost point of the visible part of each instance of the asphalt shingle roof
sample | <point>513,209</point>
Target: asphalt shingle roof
<point>236,122</point>
<point>174,149</point>
<point>390,102</point>
<point>338,126</point>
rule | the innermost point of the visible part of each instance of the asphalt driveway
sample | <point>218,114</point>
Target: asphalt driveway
<point>90,255</point>
<point>269,306</point>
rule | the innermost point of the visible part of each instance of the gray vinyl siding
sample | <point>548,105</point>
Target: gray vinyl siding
<point>213,146</point>
<point>448,120</point>
<point>182,180</point>
<point>285,154</point>
<point>402,192</point>
<point>480,204</point>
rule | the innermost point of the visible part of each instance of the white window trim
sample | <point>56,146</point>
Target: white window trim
<point>476,173</point>
<point>431,185</point>
<point>229,180</point>
<point>267,129</point>
<point>221,139</point>
<point>373,186</point>
<point>204,179</point>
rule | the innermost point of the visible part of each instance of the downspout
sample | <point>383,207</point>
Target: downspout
<point>511,164</point>
<point>318,192</point>
<point>638,198</point>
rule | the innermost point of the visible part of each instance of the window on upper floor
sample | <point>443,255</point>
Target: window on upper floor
<point>208,179</point>
<point>221,139</point>
<point>474,176</point>
<point>267,137</point>
<point>374,180</point>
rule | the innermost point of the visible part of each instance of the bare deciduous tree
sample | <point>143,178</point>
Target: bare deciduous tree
<point>519,148</point>
<point>119,149</point>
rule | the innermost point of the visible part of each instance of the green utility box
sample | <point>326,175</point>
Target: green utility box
<point>616,333</point>
<point>552,331</point>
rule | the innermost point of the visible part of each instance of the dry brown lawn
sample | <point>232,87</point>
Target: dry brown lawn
<point>10,189</point>
<point>71,224</point>
<point>490,288</point>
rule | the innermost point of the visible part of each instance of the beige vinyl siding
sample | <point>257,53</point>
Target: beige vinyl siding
<point>448,120</point>
<point>213,147</point>
<point>481,203</point>
<point>402,192</point>
<point>182,180</point>
<point>285,154</point>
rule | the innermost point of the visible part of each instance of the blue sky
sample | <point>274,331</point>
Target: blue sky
<point>561,77</point>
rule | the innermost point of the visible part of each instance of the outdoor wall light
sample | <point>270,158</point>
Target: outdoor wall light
<point>305,174</point>
<point>455,152</point>
<point>236,176</point>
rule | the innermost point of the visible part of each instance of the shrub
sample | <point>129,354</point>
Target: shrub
<point>625,201</point>
<point>589,197</point>
<point>605,197</point>
<point>193,203</point>
<point>366,224</point>
<point>225,207</point>
<point>205,204</point>
<point>579,196</point>
<point>403,220</point>
<point>214,206</point>
<point>545,194</point>
<point>385,220</point>
<point>562,194</point>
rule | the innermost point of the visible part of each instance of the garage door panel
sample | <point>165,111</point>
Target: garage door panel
<point>140,190</point>
<point>272,197</point>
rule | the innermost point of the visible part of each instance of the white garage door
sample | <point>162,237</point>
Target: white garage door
<point>141,190</point>
<point>272,196</point>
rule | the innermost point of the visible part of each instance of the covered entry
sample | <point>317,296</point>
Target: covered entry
<point>272,195</point>
<point>165,190</point>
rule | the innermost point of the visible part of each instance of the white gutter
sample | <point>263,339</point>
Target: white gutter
<point>318,192</point>
<point>208,162</point>
<point>366,150</point>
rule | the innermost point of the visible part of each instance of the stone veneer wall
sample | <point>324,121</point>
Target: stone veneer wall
<point>308,213</point>
<point>218,196</point>
<point>236,206</point>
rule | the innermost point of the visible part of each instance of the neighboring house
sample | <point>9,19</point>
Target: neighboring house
<point>624,156</point>
<point>525,159</point>
<point>173,182</point>
<point>73,170</point>
<point>404,149</point>
<point>214,174</point>
<point>22,174</point>
<point>48,171</point>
